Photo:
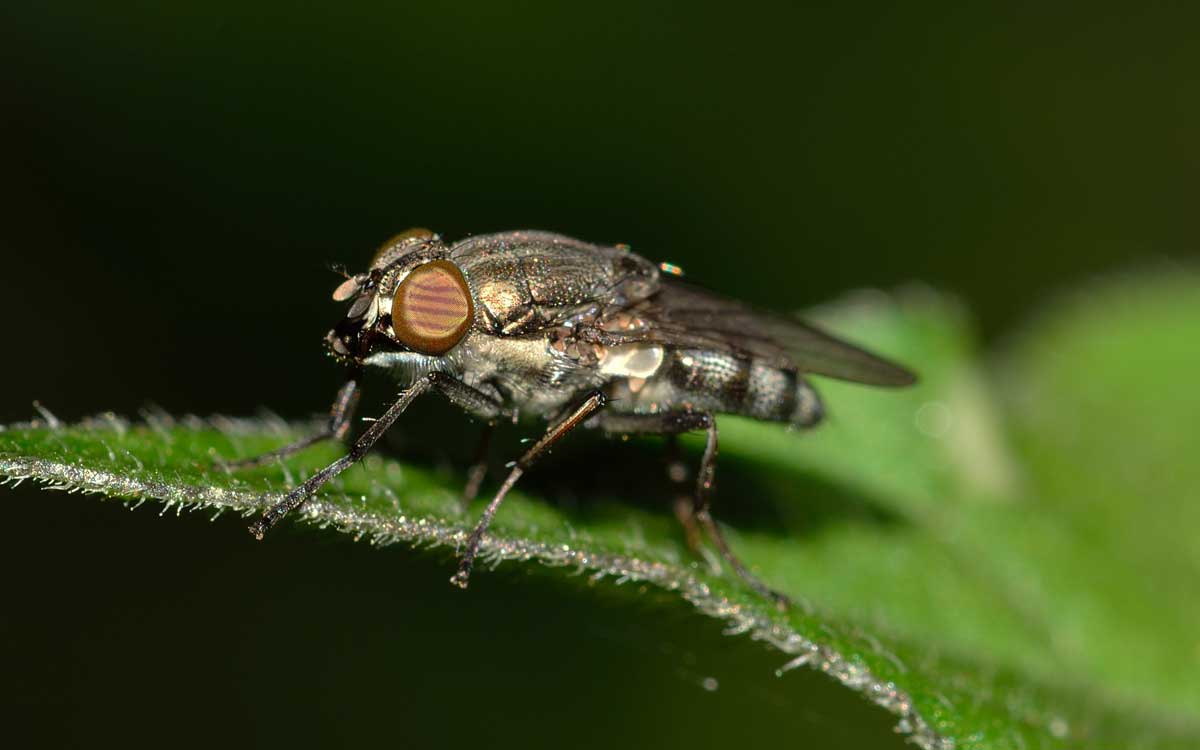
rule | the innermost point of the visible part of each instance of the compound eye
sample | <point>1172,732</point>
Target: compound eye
<point>432,308</point>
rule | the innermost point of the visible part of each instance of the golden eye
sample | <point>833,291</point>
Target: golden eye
<point>432,308</point>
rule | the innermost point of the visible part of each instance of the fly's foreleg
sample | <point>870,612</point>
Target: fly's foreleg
<point>459,393</point>
<point>578,416</point>
<point>337,427</point>
<point>674,423</point>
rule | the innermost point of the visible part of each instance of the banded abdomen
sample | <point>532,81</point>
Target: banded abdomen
<point>720,382</point>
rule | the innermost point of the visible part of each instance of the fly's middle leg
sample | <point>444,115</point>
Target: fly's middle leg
<point>704,484</point>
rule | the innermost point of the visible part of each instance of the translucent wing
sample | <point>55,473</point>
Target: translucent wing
<point>681,315</point>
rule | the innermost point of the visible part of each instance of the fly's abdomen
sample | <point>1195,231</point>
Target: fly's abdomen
<point>705,380</point>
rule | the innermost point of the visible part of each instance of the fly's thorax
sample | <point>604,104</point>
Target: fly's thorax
<point>524,280</point>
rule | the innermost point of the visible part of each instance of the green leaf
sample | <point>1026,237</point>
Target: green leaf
<point>1004,561</point>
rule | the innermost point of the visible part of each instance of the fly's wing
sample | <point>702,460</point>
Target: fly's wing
<point>681,315</point>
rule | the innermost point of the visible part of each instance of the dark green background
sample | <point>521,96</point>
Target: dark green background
<point>177,177</point>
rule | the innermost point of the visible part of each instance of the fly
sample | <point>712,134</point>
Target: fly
<point>577,334</point>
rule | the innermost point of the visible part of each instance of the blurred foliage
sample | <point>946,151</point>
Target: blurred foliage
<point>990,592</point>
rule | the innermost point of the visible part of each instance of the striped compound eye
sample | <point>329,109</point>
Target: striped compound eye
<point>432,308</point>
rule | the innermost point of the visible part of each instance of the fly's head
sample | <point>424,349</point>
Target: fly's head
<point>412,302</point>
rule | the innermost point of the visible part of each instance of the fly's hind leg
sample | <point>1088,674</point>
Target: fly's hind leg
<point>704,484</point>
<point>674,424</point>
<point>336,428</point>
